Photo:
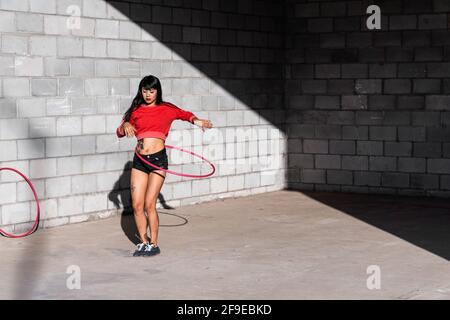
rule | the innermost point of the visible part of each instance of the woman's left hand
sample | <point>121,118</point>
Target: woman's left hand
<point>203,123</point>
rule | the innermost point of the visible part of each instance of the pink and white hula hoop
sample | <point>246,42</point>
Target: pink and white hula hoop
<point>177,173</point>
<point>36,221</point>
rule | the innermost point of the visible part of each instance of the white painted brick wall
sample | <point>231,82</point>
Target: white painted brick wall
<point>161,52</point>
<point>69,47</point>
<point>83,106</point>
<point>42,127</point>
<point>48,209</point>
<point>105,181</point>
<point>84,184</point>
<point>96,87</point>
<point>43,6</point>
<point>58,106</point>
<point>182,189</point>
<point>29,66</point>
<point>66,91</point>
<point>10,176</point>
<point>117,87</point>
<point>7,193</point>
<point>83,145</point>
<point>95,48</point>
<point>30,148</point>
<point>56,67</point>
<point>87,28</point>
<point>226,168</point>
<point>16,213</point>
<point>55,25</point>
<point>25,193</point>
<point>117,161</point>
<point>107,143</point>
<point>7,19</point>
<point>140,50</point>
<point>57,147</point>
<point>81,67</point>
<point>57,187</point>
<point>13,44</point>
<point>68,126</point>
<point>118,49</point>
<point>96,9</point>
<point>42,46</point>
<point>251,180</point>
<point>269,178</point>
<point>166,192</point>
<point>33,107</point>
<point>219,184</point>
<point>94,124</point>
<point>69,165</point>
<point>96,202</point>
<point>16,87</point>
<point>200,187</point>
<point>68,206</point>
<point>129,68</point>
<point>93,163</point>
<point>8,150</point>
<point>29,22</point>
<point>236,183</point>
<point>107,105</point>
<point>42,168</point>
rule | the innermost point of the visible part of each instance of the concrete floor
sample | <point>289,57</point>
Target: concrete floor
<point>278,245</point>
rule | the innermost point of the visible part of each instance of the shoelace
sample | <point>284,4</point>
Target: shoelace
<point>141,246</point>
<point>150,247</point>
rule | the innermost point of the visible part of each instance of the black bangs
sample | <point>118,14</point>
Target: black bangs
<point>151,84</point>
<point>148,87</point>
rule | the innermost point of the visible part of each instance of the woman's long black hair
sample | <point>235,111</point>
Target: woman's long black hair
<point>148,82</point>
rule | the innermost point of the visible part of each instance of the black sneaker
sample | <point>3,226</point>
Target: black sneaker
<point>151,250</point>
<point>141,248</point>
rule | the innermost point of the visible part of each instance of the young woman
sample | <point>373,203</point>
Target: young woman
<point>149,119</point>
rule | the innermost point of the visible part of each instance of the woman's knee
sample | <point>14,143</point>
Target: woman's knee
<point>150,206</point>
<point>138,208</point>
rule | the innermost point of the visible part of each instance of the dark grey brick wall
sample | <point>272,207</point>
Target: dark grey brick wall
<point>368,110</point>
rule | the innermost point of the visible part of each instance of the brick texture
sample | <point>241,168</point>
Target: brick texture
<point>393,83</point>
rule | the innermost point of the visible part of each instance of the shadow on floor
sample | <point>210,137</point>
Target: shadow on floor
<point>424,222</point>
<point>121,197</point>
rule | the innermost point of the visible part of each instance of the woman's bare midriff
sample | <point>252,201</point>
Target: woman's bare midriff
<point>150,145</point>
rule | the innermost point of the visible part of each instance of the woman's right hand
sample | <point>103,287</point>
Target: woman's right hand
<point>128,129</point>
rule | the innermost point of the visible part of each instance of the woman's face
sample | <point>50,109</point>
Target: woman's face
<point>149,95</point>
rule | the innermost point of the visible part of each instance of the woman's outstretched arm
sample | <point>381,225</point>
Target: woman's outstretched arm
<point>202,123</point>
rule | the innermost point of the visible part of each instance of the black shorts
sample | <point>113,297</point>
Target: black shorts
<point>158,159</point>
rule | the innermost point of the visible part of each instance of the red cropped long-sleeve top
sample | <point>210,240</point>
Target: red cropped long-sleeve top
<point>155,121</point>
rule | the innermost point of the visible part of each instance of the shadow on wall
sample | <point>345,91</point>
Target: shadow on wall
<point>121,197</point>
<point>421,221</point>
<point>236,45</point>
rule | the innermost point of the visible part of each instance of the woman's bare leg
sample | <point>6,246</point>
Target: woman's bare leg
<point>138,186</point>
<point>155,182</point>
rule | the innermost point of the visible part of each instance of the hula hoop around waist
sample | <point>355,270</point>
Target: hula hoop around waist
<point>178,173</point>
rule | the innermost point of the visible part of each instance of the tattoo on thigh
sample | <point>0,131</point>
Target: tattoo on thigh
<point>132,188</point>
